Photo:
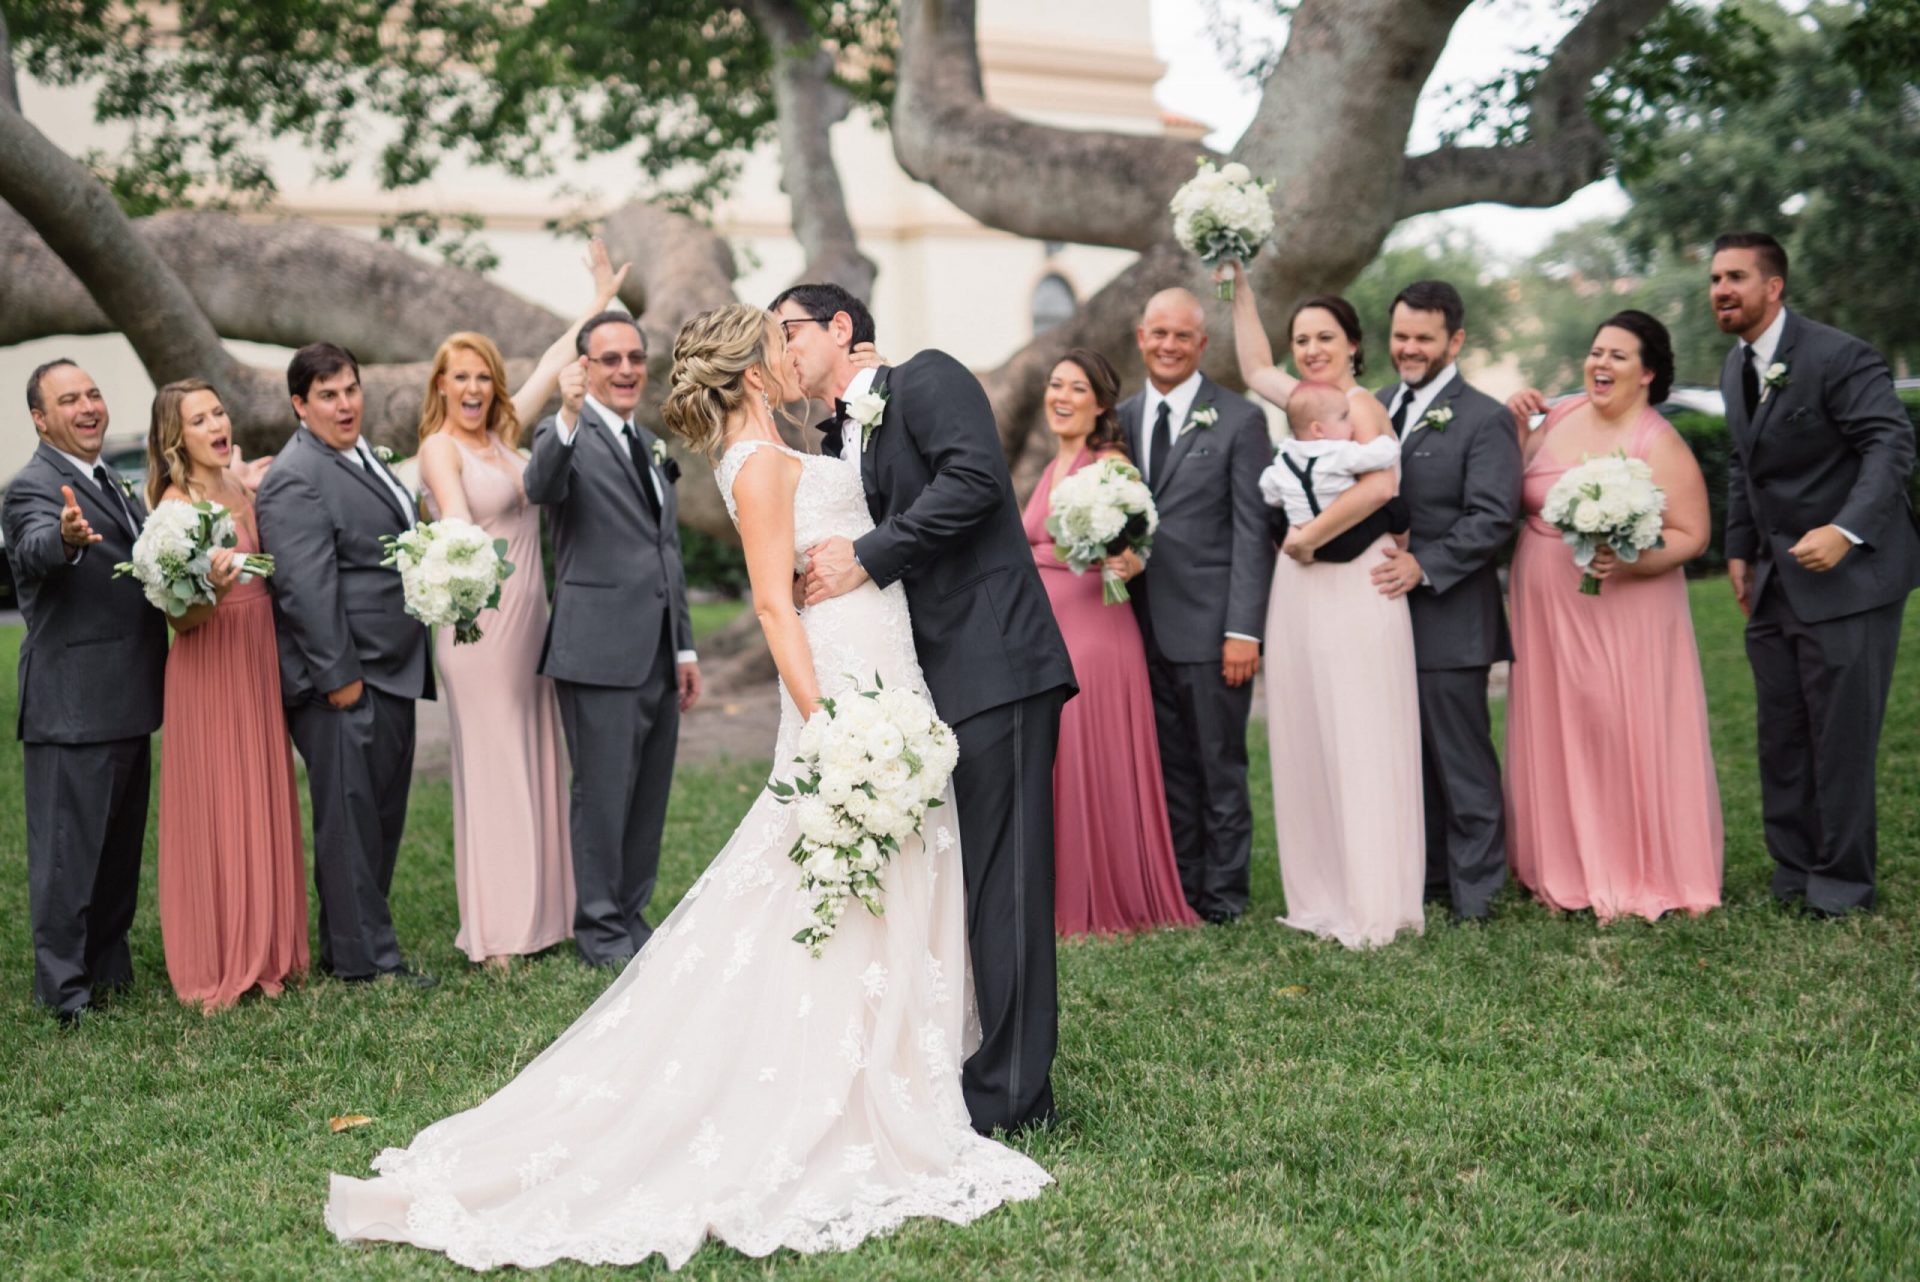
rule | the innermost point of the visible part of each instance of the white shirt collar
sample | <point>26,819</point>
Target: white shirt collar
<point>1769,341</point>
<point>1179,402</point>
<point>862,380</point>
<point>86,468</point>
<point>607,415</point>
<point>1423,400</point>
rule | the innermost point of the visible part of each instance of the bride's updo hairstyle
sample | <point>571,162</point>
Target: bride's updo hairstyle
<point>711,356</point>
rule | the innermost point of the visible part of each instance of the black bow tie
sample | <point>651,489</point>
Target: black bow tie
<point>833,430</point>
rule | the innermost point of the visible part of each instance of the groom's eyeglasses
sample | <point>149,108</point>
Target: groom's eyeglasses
<point>786,331</point>
<point>612,361</point>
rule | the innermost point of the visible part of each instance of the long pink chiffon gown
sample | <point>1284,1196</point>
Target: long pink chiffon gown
<point>233,884</point>
<point>1112,851</point>
<point>1612,801</point>
<point>512,865</point>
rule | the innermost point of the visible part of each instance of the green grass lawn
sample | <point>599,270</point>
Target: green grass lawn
<point>1725,1097</point>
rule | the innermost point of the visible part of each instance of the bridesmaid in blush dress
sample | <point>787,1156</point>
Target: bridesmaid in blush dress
<point>1113,854</point>
<point>1612,799</point>
<point>513,869</point>
<point>233,895</point>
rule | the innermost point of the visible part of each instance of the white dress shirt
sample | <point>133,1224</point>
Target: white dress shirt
<point>86,470</point>
<point>568,430</point>
<point>1179,402</point>
<point>361,455</point>
<point>853,438</point>
<point>1423,398</point>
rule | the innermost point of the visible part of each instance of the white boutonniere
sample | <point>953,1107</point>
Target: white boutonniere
<point>867,409</point>
<point>384,454</point>
<point>126,487</point>
<point>1777,375</point>
<point>1201,416</point>
<point>1437,418</point>
<point>659,453</point>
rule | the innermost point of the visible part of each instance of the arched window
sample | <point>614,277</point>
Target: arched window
<point>1053,302</point>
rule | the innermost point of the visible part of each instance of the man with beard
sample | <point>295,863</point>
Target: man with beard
<point>1460,469</point>
<point>1821,552</point>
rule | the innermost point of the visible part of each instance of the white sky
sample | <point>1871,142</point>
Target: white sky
<point>1484,42</point>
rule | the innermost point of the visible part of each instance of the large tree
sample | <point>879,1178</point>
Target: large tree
<point>683,86</point>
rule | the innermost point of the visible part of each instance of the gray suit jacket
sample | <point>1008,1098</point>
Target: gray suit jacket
<point>1462,489</point>
<point>619,585</point>
<point>93,664</point>
<point>1832,447</point>
<point>340,615</point>
<point>1212,560</point>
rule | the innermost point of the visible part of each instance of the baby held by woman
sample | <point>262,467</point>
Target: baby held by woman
<point>1319,464</point>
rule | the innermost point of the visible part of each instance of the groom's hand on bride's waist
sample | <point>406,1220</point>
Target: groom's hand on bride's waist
<point>832,570</point>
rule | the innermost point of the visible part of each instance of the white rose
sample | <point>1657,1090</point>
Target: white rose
<point>816,820</point>
<point>1235,172</point>
<point>1586,517</point>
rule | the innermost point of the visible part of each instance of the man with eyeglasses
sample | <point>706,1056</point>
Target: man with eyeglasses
<point>619,644</point>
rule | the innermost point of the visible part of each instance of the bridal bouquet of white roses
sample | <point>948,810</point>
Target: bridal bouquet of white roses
<point>173,557</point>
<point>1098,512</point>
<point>872,765</point>
<point>1223,214</point>
<point>450,570</point>
<point>1609,501</point>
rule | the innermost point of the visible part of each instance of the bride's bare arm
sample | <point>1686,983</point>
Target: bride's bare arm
<point>763,497</point>
<point>1250,345</point>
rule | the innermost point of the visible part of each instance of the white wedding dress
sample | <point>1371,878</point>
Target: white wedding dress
<point>727,1085</point>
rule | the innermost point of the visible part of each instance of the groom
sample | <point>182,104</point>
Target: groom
<point>947,527</point>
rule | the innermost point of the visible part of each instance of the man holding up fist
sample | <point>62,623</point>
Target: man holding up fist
<point>620,643</point>
<point>91,676</point>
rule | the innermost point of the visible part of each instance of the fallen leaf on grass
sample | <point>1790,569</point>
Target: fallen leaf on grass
<point>347,1123</point>
<point>1291,990</point>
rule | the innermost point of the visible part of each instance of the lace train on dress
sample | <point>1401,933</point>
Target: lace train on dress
<point>728,1085</point>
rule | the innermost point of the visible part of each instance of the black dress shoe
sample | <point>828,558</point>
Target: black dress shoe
<point>412,978</point>
<point>615,964</point>
<point>73,1018</point>
<point>1219,918</point>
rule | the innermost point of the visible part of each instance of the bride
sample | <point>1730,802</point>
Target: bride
<point>728,1085</point>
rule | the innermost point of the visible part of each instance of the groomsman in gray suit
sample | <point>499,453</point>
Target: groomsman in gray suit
<point>1460,476</point>
<point>1821,552</point>
<point>91,672</point>
<point>352,661</point>
<point>1202,599</point>
<point>620,644</point>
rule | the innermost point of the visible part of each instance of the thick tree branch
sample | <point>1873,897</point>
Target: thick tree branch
<point>808,104</point>
<point>1090,187</point>
<point>1565,149</point>
<point>380,301</point>
<point>9,87</point>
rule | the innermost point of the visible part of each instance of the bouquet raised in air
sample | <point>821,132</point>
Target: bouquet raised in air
<point>1098,512</point>
<point>450,570</point>
<point>872,765</point>
<point>1609,501</point>
<point>1222,215</point>
<point>173,557</point>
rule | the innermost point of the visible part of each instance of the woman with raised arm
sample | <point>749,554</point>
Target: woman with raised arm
<point>728,1085</point>
<point>513,871</point>
<point>1343,711</point>
<point>233,893</point>
<point>1612,800</point>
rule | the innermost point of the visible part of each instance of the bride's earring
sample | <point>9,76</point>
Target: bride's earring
<point>766,401</point>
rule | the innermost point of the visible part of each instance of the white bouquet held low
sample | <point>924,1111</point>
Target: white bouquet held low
<point>173,557</point>
<point>872,765</point>
<point>1098,512</point>
<point>1609,501</point>
<point>450,570</point>
<point>1223,215</point>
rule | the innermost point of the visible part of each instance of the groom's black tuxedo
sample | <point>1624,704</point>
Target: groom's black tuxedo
<point>948,529</point>
<point>1831,446</point>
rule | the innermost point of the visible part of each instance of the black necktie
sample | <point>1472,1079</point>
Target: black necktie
<point>1750,381</point>
<point>1162,442</point>
<point>1400,414</point>
<point>114,495</point>
<point>644,466</point>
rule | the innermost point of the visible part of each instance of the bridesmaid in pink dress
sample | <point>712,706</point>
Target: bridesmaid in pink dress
<point>512,862</point>
<point>1611,795</point>
<point>1112,851</point>
<point>233,892</point>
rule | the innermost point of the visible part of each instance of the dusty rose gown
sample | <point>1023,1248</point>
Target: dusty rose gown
<point>1112,852</point>
<point>1612,801</point>
<point>233,886</point>
<point>512,865</point>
